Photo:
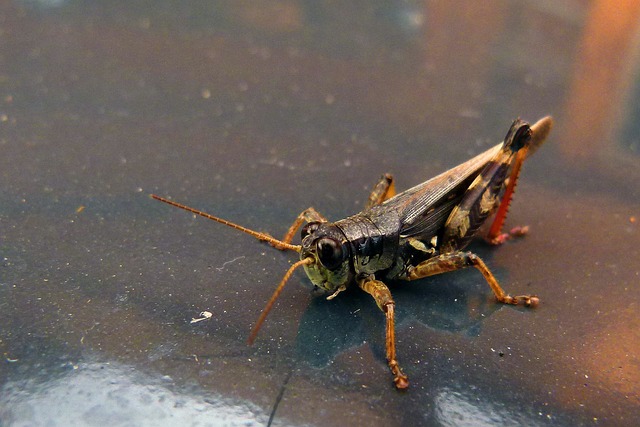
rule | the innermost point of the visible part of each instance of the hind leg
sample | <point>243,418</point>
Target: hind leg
<point>495,236</point>
<point>458,260</point>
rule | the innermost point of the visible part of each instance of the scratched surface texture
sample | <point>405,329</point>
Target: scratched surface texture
<point>255,110</point>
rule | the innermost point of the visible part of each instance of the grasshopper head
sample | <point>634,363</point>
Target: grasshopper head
<point>328,247</point>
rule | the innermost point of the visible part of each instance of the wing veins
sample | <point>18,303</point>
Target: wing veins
<point>419,199</point>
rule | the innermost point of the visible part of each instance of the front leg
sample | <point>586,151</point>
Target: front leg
<point>458,260</point>
<point>382,295</point>
<point>307,215</point>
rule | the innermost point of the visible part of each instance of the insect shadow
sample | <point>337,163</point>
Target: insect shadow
<point>456,305</point>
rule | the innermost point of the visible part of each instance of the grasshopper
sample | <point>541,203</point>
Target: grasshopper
<point>411,235</point>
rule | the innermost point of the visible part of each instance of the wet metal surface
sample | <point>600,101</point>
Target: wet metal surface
<point>255,110</point>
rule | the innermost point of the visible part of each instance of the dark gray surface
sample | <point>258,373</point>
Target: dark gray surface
<point>255,110</point>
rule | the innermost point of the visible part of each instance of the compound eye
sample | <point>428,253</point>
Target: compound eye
<point>310,228</point>
<point>330,252</point>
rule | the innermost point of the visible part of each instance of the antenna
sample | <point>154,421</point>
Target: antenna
<point>274,297</point>
<point>279,244</point>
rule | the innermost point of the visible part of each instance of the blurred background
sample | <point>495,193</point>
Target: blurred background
<point>256,110</point>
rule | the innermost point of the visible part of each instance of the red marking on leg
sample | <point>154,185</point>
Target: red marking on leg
<point>501,214</point>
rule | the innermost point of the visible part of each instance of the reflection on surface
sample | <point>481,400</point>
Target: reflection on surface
<point>107,394</point>
<point>454,408</point>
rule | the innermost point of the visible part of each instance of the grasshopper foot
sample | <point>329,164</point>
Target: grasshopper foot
<point>524,300</point>
<point>399,379</point>
<point>519,231</point>
<point>401,382</point>
<point>503,237</point>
